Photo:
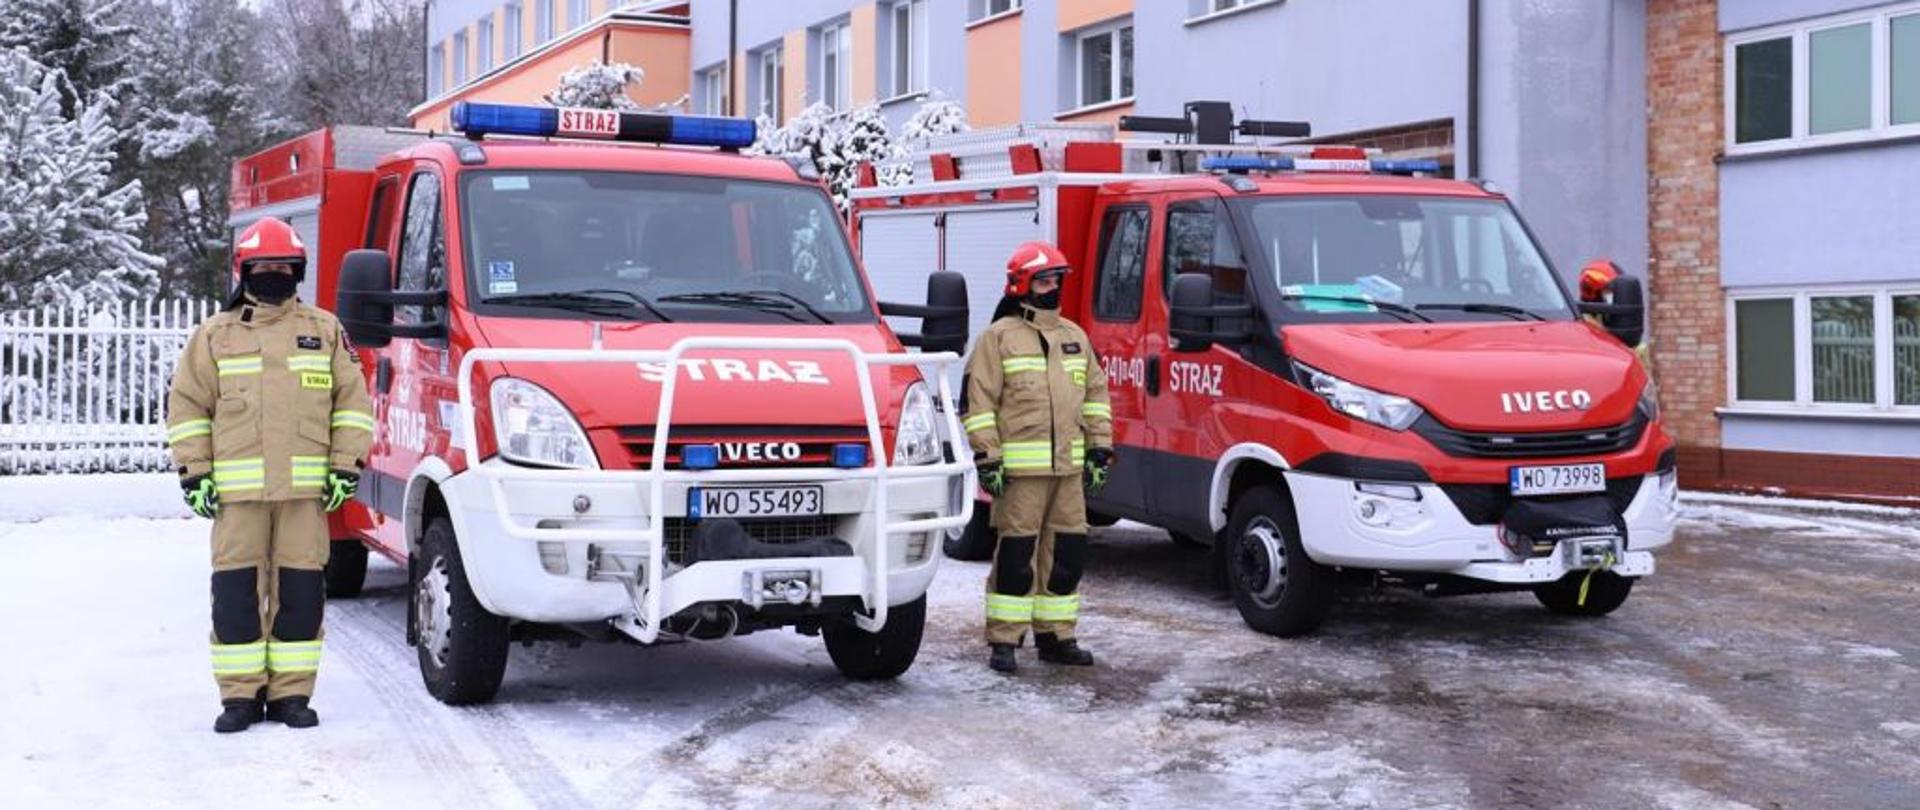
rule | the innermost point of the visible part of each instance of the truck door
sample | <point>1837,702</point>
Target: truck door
<point>1186,399</point>
<point>414,372</point>
<point>1120,329</point>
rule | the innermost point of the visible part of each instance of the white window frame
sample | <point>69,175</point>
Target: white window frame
<point>916,42</point>
<point>436,69</point>
<point>768,63</point>
<point>460,75</point>
<point>978,10</point>
<point>1110,29</point>
<point>836,84</point>
<point>483,45</point>
<point>542,21</point>
<point>715,86</point>
<point>1199,11</point>
<point>1883,405</point>
<point>1880,93</point>
<point>510,45</point>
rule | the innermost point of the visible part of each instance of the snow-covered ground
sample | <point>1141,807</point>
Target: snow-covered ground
<point>1770,661</point>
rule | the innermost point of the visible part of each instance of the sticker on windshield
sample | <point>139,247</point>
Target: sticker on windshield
<point>1310,303</point>
<point>510,183</point>
<point>1380,289</point>
<point>500,279</point>
<point>503,287</point>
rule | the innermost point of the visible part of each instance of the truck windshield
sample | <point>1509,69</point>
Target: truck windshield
<point>1442,258</point>
<point>656,246</point>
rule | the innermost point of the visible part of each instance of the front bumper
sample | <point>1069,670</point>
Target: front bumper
<point>1431,535</point>
<point>511,568</point>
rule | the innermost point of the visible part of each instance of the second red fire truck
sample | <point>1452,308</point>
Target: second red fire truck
<point>1323,365</point>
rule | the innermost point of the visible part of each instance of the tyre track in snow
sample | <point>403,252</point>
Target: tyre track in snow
<point>531,772</point>
<point>430,741</point>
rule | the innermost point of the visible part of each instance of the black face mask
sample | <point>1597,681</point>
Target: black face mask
<point>1047,300</point>
<point>270,288</point>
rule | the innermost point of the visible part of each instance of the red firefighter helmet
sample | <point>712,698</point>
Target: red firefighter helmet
<point>1032,260</point>
<point>1595,278</point>
<point>268,240</point>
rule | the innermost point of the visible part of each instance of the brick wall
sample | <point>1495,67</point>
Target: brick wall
<point>1684,135</point>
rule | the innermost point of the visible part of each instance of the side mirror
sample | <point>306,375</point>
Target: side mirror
<point>943,321</point>
<point>1626,316</point>
<point>365,299</point>
<point>1190,312</point>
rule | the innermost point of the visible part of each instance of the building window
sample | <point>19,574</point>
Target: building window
<point>1843,349</point>
<point>510,36</point>
<point>715,88</point>
<point>907,47</point>
<point>542,21</point>
<point>771,88</point>
<point>835,74</point>
<point>1105,64</point>
<point>1836,79</point>
<point>982,9</point>
<point>459,58</point>
<point>1906,350</point>
<point>1847,350</point>
<point>436,70</point>
<point>484,35</point>
<point>576,14</point>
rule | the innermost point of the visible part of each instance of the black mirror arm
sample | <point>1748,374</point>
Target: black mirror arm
<point>1596,308</point>
<point>898,310</point>
<point>425,298</point>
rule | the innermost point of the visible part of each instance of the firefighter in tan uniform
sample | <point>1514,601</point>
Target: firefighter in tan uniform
<point>1041,428</point>
<point>269,422</point>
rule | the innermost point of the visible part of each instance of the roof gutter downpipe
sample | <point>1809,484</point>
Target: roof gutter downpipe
<point>1473,91</point>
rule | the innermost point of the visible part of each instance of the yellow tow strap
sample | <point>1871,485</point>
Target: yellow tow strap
<point>1606,563</point>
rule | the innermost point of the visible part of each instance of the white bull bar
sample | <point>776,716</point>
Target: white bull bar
<point>648,605</point>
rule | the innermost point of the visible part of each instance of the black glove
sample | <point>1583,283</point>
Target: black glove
<point>1094,476</point>
<point>200,495</point>
<point>993,476</point>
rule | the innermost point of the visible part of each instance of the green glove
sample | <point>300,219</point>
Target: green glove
<point>200,495</point>
<point>993,477</point>
<point>341,485</point>
<point>1099,462</point>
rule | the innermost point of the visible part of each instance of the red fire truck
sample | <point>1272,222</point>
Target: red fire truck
<point>630,389</point>
<point>1323,364</point>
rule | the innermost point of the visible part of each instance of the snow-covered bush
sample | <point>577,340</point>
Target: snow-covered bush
<point>67,233</point>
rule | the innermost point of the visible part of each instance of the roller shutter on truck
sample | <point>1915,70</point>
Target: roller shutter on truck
<point>978,244</point>
<point>899,251</point>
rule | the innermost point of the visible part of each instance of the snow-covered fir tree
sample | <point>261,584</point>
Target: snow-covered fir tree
<point>599,86</point>
<point>91,43</point>
<point>68,232</point>
<point>936,117</point>
<point>836,143</point>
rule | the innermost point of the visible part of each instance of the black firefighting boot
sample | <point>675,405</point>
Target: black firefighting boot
<point>1001,659</point>
<point>1055,650</point>
<point>293,712</point>
<point>237,714</point>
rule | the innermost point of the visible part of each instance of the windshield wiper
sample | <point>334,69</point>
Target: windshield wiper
<point>797,301</point>
<point>1404,312</point>
<point>760,302</point>
<point>1517,313</point>
<point>581,301</point>
<point>627,294</point>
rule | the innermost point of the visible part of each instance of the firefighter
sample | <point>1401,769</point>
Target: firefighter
<point>1041,428</point>
<point>269,422</point>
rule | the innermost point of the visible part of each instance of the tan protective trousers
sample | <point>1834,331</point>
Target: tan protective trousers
<point>1042,550</point>
<point>269,590</point>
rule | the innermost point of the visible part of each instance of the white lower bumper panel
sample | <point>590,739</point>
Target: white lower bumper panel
<point>1431,535</point>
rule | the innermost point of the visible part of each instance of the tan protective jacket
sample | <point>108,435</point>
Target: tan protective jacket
<point>1036,395</point>
<point>269,398</point>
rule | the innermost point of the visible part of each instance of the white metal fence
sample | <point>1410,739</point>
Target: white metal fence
<point>85,388</point>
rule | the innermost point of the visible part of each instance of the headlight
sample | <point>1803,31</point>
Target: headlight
<point>1650,400</point>
<point>917,442</point>
<point>1386,410</point>
<point>532,427</point>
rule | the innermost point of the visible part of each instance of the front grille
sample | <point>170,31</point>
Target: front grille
<point>1588,442</point>
<point>1485,504</point>
<point>772,531</point>
<point>815,442</point>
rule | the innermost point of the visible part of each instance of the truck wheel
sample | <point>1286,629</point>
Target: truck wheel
<point>462,647</point>
<point>1605,593</point>
<point>975,542</point>
<point>1278,590</point>
<point>346,569</point>
<point>865,656</point>
<point>1100,521</point>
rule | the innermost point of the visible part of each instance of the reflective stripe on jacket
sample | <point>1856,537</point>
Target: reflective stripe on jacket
<point>1036,395</point>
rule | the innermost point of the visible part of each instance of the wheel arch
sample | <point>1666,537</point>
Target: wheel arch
<point>1241,467</point>
<point>426,498</point>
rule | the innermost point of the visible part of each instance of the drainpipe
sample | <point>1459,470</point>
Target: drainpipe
<point>733,47</point>
<point>1473,91</point>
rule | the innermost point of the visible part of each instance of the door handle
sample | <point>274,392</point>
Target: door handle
<point>383,376</point>
<point>1153,375</point>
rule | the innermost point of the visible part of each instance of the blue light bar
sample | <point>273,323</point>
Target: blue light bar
<point>1251,163</point>
<point>700,456</point>
<point>849,455</point>
<point>475,119</point>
